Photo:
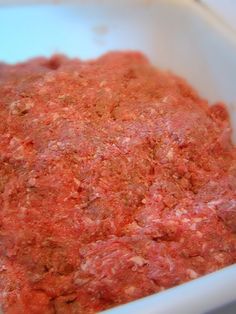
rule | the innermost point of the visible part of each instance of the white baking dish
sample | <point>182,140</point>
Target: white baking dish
<point>181,36</point>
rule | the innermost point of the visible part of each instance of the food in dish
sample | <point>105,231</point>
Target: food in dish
<point>117,181</point>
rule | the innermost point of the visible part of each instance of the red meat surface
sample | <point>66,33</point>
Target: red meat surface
<point>116,181</point>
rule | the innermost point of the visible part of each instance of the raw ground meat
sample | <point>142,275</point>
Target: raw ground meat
<point>116,181</point>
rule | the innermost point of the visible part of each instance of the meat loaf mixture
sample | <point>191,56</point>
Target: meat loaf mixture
<point>116,181</point>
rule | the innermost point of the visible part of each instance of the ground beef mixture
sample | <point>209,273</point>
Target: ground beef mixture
<point>116,181</point>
